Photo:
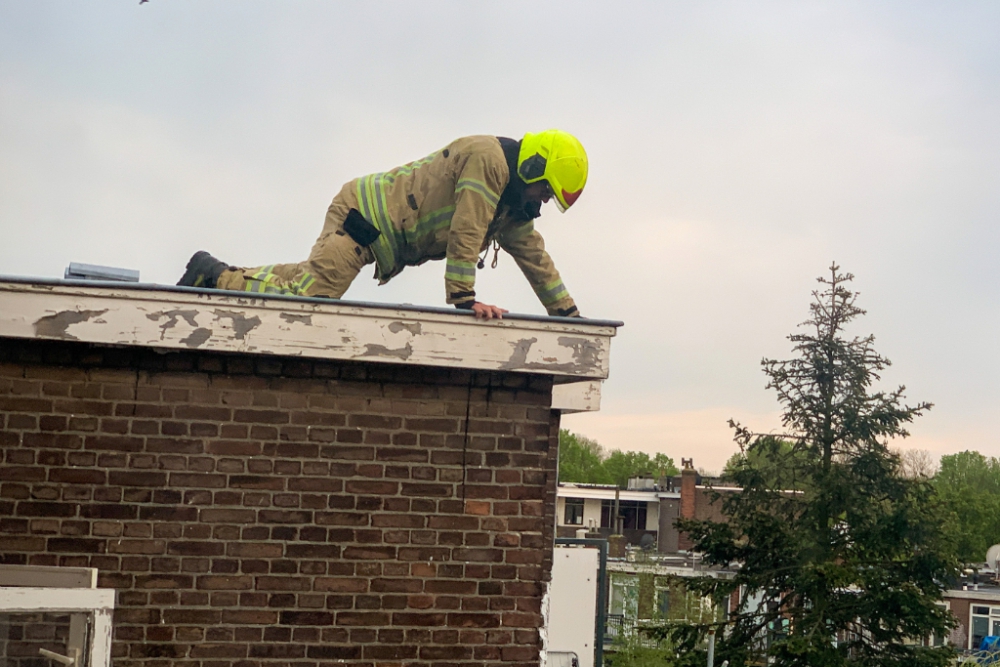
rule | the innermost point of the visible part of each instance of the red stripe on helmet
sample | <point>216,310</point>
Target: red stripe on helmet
<point>571,197</point>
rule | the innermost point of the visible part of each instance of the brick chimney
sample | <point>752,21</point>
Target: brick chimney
<point>689,482</point>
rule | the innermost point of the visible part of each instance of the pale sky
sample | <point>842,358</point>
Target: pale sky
<point>736,149</point>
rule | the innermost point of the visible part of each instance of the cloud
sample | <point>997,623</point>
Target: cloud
<point>736,150</point>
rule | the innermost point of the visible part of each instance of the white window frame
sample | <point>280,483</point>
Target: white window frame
<point>63,590</point>
<point>993,616</point>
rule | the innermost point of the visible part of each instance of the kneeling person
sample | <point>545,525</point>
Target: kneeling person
<point>451,205</point>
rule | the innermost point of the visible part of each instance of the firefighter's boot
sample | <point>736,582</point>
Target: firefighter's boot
<point>203,270</point>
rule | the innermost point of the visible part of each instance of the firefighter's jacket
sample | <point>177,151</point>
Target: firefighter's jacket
<point>453,204</point>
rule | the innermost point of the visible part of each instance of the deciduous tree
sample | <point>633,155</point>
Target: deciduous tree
<point>581,459</point>
<point>969,484</point>
<point>584,460</point>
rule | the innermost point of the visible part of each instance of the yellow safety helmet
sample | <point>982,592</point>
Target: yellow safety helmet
<point>558,158</point>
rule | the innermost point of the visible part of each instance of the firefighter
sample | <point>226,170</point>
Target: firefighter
<point>454,204</point>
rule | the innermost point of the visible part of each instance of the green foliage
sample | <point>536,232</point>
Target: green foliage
<point>843,570</point>
<point>621,465</point>
<point>777,460</point>
<point>644,644</point>
<point>580,459</point>
<point>633,651</point>
<point>584,460</point>
<point>969,485</point>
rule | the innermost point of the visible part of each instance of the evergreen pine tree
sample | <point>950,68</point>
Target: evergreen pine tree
<point>840,559</point>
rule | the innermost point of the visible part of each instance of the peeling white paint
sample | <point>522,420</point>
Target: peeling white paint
<point>232,322</point>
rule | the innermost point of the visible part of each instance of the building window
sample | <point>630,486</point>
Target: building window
<point>632,512</point>
<point>984,622</point>
<point>574,512</point>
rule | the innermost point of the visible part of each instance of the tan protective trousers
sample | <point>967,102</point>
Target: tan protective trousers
<point>332,266</point>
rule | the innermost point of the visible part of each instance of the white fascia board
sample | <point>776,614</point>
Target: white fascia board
<point>609,494</point>
<point>989,596</point>
<point>577,397</point>
<point>186,319</point>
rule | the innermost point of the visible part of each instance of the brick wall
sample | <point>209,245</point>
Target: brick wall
<point>688,504</point>
<point>255,510</point>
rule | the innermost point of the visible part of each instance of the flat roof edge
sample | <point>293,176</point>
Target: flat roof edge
<point>133,314</point>
<point>155,287</point>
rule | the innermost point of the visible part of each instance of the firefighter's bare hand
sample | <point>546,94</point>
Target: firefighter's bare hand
<point>485,311</point>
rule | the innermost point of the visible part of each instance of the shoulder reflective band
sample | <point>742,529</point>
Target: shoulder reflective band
<point>479,187</point>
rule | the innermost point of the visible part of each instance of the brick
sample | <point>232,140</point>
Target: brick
<point>204,617</point>
<point>22,473</point>
<point>195,548</point>
<point>282,584</point>
<point>297,450</point>
<point>249,617</point>
<point>201,481</point>
<point>456,587</point>
<point>135,478</point>
<point>337,653</point>
<point>480,508</point>
<point>208,515</point>
<point>259,416</point>
<point>214,582</point>
<point>316,484</point>
<point>342,518</point>
<point>446,652</point>
<point>481,491</point>
<point>256,482</point>
<point>367,553</point>
<point>299,551</point>
<point>432,425</point>
<point>167,513</point>
<point>399,521</point>
<point>369,421</point>
<point>164,581</point>
<point>52,423</point>
<point>521,620</point>
<point>137,546</point>
<point>21,404</point>
<point>113,443</point>
<point>430,490</point>
<point>26,544</point>
<point>284,517</point>
<point>339,585</point>
<point>519,653</point>
<point>371,488</point>
<point>46,509</point>
<point>353,618</point>
<point>17,422</point>
<point>75,545</point>
<point>396,585</point>
<point>377,652</point>
<point>233,448</point>
<point>305,618</point>
<point>405,454</point>
<point>462,620</point>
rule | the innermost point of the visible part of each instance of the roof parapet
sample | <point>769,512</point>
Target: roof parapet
<point>567,349</point>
